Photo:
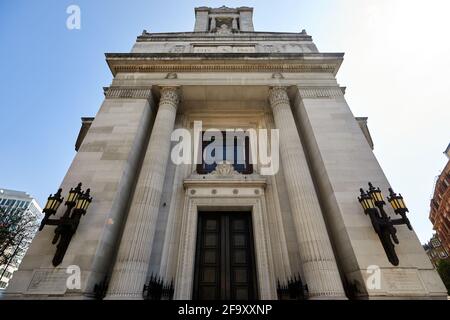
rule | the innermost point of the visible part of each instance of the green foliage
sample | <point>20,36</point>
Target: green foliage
<point>443,269</point>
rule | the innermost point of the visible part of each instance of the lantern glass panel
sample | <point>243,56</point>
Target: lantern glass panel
<point>393,203</point>
<point>363,204</point>
<point>48,205</point>
<point>86,206</point>
<point>402,204</point>
<point>57,203</point>
<point>73,196</point>
<point>79,204</point>
<point>379,196</point>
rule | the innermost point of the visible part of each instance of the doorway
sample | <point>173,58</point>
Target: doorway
<point>225,260</point>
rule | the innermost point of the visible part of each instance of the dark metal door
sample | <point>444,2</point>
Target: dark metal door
<point>225,263</point>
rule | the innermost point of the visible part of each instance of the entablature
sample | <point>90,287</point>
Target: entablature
<point>224,62</point>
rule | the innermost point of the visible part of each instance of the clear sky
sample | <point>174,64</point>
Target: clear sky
<point>396,70</point>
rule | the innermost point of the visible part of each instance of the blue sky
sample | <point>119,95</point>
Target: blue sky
<point>395,69</point>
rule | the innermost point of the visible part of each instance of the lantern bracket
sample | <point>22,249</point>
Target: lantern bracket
<point>372,202</point>
<point>66,226</point>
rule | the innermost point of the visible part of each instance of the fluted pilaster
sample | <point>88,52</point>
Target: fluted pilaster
<point>318,261</point>
<point>130,270</point>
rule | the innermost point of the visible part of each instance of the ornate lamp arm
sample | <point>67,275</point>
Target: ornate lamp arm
<point>373,204</point>
<point>66,226</point>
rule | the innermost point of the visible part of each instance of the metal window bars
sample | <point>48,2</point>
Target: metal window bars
<point>158,289</point>
<point>292,289</point>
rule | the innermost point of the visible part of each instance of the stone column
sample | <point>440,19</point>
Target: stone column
<point>130,269</point>
<point>318,262</point>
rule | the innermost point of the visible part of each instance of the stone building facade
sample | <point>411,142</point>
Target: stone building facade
<point>440,205</point>
<point>435,250</point>
<point>226,231</point>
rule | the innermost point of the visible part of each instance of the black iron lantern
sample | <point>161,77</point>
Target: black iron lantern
<point>51,207</point>
<point>366,200</point>
<point>53,202</point>
<point>376,195</point>
<point>73,195</point>
<point>83,201</point>
<point>399,206</point>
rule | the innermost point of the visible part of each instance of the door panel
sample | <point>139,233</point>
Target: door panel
<point>208,259</point>
<point>225,266</point>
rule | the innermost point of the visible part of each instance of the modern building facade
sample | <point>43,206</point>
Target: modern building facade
<point>435,250</point>
<point>234,228</point>
<point>440,204</point>
<point>11,200</point>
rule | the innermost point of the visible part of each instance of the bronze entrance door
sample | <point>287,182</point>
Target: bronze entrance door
<point>225,262</point>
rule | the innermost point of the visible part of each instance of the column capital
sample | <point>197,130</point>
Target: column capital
<point>278,95</point>
<point>170,95</point>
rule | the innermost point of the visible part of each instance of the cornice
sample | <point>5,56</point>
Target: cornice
<point>207,36</point>
<point>211,55</point>
<point>224,62</point>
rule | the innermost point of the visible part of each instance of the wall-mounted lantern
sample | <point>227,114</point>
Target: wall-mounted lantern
<point>372,202</point>
<point>77,204</point>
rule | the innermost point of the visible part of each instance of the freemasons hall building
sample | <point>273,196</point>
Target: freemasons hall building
<point>225,229</point>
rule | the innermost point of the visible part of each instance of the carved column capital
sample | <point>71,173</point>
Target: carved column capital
<point>278,95</point>
<point>170,95</point>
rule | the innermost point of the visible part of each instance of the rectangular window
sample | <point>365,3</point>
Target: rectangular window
<point>435,243</point>
<point>234,151</point>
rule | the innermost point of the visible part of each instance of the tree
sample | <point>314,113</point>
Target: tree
<point>17,227</point>
<point>443,269</point>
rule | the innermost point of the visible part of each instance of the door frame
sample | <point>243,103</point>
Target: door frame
<point>184,279</point>
<point>226,246</point>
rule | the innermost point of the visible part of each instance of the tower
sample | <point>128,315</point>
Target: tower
<point>226,230</point>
